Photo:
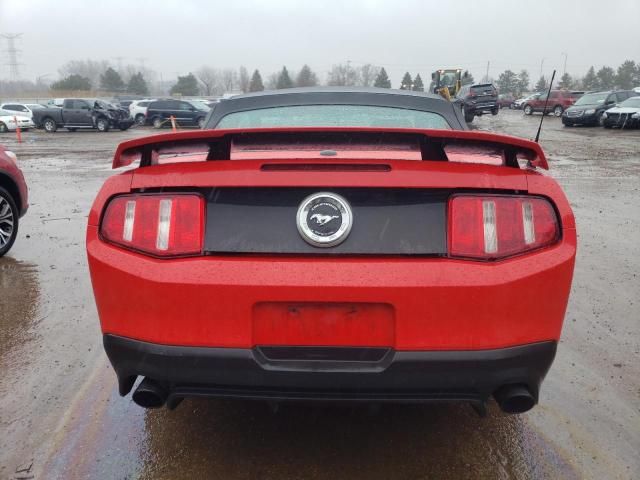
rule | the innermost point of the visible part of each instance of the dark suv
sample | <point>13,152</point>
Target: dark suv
<point>589,108</point>
<point>478,99</point>
<point>186,113</point>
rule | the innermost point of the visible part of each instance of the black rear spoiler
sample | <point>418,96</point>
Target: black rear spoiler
<point>432,142</point>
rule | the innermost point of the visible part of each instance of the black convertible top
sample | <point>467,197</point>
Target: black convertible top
<point>380,97</point>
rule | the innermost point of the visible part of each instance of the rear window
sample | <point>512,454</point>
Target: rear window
<point>162,105</point>
<point>487,89</point>
<point>592,98</point>
<point>334,116</point>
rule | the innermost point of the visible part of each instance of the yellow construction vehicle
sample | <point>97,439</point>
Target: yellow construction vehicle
<point>447,82</point>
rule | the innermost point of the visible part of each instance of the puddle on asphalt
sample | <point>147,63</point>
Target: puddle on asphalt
<point>19,292</point>
<point>204,439</point>
<point>242,439</point>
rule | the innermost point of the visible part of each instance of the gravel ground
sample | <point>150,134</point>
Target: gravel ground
<point>61,417</point>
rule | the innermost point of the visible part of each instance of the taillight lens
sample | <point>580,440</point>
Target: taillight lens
<point>162,225</point>
<point>497,226</point>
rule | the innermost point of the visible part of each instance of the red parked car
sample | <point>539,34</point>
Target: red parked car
<point>13,199</point>
<point>333,263</point>
<point>559,101</point>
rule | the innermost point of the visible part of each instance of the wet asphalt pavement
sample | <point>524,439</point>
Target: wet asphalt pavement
<point>61,416</point>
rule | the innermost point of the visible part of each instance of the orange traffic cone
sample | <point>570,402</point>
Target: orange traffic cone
<point>173,124</point>
<point>18,132</point>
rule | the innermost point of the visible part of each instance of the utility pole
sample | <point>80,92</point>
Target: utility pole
<point>541,65</point>
<point>566,55</point>
<point>12,54</point>
<point>486,76</point>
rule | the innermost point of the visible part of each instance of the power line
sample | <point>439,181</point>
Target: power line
<point>12,55</point>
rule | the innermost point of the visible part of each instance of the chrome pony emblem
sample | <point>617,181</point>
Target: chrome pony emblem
<point>324,219</point>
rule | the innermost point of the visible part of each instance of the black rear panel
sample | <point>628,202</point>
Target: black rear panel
<point>386,221</point>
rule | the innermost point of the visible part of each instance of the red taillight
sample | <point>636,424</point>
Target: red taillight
<point>498,226</point>
<point>162,225</point>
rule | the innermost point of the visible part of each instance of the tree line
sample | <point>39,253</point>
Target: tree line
<point>208,81</point>
<point>211,81</point>
<point>625,77</point>
<point>92,75</point>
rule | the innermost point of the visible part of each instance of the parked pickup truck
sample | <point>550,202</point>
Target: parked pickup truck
<point>82,113</point>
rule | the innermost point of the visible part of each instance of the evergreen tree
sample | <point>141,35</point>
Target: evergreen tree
<point>523,82</point>
<point>566,81</point>
<point>626,75</point>
<point>284,81</point>
<point>636,75</point>
<point>418,85</point>
<point>111,81</point>
<point>407,82</point>
<point>187,86</point>
<point>138,85</point>
<point>542,84</point>
<point>72,82</point>
<point>606,78</point>
<point>382,80</point>
<point>590,80</point>
<point>508,82</point>
<point>306,77</point>
<point>255,85</point>
<point>467,78</point>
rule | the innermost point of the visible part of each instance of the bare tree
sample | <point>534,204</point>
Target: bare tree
<point>343,75</point>
<point>228,80</point>
<point>272,81</point>
<point>91,69</point>
<point>209,78</point>
<point>243,79</point>
<point>368,74</point>
<point>130,70</point>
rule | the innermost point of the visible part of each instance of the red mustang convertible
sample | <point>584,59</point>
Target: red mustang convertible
<point>332,245</point>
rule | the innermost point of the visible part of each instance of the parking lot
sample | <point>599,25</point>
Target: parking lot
<point>62,414</point>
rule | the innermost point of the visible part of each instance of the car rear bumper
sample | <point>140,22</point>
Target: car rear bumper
<point>124,123</point>
<point>329,374</point>
<point>485,107</point>
<point>404,303</point>
<point>582,120</point>
<point>12,127</point>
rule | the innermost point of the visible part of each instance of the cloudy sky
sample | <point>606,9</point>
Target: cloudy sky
<point>175,37</point>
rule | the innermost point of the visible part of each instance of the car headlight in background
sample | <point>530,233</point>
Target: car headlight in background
<point>590,111</point>
<point>636,115</point>
<point>604,115</point>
